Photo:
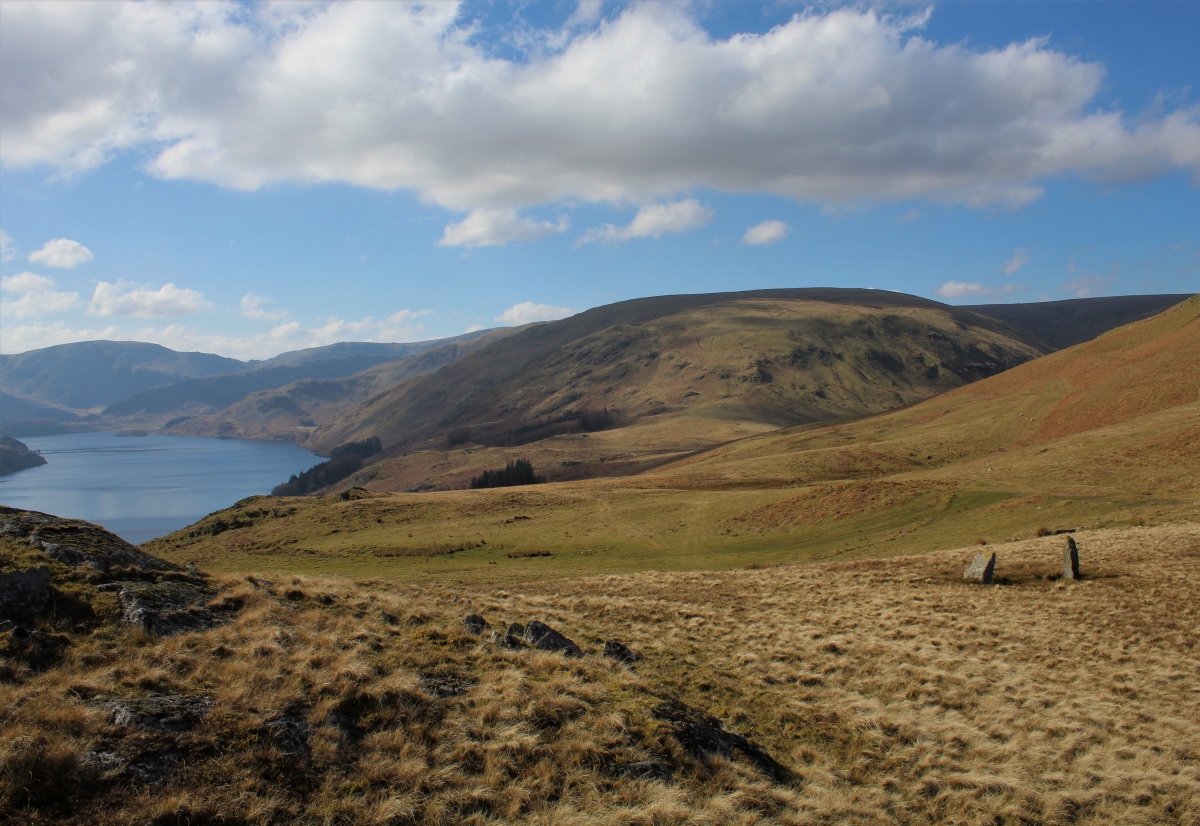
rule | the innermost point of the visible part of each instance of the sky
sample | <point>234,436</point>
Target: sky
<point>249,178</point>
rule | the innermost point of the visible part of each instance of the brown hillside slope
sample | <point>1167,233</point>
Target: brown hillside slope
<point>712,370</point>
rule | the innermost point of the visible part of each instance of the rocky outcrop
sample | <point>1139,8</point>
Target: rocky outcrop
<point>76,543</point>
<point>166,608</point>
<point>24,594</point>
<point>474,624</point>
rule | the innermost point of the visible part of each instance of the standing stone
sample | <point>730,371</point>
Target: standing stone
<point>1071,561</point>
<point>982,569</point>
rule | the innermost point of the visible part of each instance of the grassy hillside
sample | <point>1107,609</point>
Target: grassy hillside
<point>1076,320</point>
<point>680,373</point>
<point>868,692</point>
<point>1105,433</point>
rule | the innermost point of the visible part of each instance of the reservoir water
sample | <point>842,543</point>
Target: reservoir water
<point>142,487</point>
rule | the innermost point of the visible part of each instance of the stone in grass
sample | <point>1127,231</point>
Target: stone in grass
<point>1071,561</point>
<point>617,650</point>
<point>164,712</point>
<point>982,569</point>
<point>542,636</point>
<point>474,624</point>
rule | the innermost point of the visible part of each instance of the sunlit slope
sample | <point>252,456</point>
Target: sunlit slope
<point>673,376</point>
<point>998,459</point>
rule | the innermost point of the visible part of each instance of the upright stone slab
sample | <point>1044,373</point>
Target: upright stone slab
<point>1071,561</point>
<point>982,569</point>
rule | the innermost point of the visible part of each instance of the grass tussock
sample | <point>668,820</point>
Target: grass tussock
<point>889,690</point>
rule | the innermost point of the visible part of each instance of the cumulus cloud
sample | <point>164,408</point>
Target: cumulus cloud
<point>253,307</point>
<point>63,253</point>
<point>26,282</point>
<point>496,227</point>
<point>1020,258</point>
<point>127,299</point>
<point>654,221</point>
<point>766,233</point>
<point>37,296</point>
<point>8,249</point>
<point>527,312</point>
<point>840,106</point>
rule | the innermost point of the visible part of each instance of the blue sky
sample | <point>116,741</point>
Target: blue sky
<point>251,178</point>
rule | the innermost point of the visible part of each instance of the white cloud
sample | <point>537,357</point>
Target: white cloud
<point>61,252</point>
<point>290,335</point>
<point>37,296</point>
<point>8,249</point>
<point>252,307</point>
<point>654,221</point>
<point>527,312</point>
<point>766,233</point>
<point>839,106</point>
<point>496,227</point>
<point>128,299</point>
<point>26,282</point>
<point>959,289</point>
<point>1020,258</point>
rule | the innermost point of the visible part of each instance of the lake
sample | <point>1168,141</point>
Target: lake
<point>142,487</point>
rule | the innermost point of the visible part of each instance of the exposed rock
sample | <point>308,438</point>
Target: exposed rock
<point>1071,560</point>
<point>166,608</point>
<point>619,652</point>
<point>702,735</point>
<point>474,624</point>
<point>982,569</point>
<point>542,636</point>
<point>24,593</point>
<point>163,712</point>
<point>38,649</point>
<point>76,543</point>
<point>516,630</point>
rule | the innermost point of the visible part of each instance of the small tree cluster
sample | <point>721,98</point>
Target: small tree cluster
<point>515,473</point>
<point>343,461</point>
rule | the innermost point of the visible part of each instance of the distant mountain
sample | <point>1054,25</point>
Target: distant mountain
<point>206,395</point>
<point>94,374</point>
<point>294,410</point>
<point>1074,321</point>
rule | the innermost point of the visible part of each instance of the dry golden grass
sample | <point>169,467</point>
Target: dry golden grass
<point>894,691</point>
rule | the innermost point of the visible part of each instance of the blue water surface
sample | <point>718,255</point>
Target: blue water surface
<point>142,487</point>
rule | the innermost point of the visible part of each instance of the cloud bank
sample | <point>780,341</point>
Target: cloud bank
<point>495,227</point>
<point>832,107</point>
<point>126,299</point>
<point>527,312</point>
